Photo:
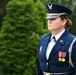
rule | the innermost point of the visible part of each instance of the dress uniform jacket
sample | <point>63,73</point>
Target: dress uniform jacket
<point>53,64</point>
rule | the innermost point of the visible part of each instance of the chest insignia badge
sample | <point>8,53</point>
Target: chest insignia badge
<point>40,48</point>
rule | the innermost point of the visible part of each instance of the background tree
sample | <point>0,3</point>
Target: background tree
<point>22,27</point>
<point>2,10</point>
<point>73,18</point>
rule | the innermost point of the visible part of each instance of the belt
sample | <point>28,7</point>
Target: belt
<point>47,73</point>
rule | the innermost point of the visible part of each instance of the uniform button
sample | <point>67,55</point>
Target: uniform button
<point>46,63</point>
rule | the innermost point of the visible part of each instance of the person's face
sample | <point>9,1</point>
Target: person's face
<point>55,24</point>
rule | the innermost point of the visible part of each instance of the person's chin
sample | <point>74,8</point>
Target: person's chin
<point>49,29</point>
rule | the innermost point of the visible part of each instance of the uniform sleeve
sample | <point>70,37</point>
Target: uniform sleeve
<point>39,72</point>
<point>74,56</point>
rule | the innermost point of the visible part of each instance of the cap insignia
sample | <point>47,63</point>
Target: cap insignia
<point>50,6</point>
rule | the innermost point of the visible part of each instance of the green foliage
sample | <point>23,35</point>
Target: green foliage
<point>22,28</point>
<point>73,18</point>
<point>2,10</point>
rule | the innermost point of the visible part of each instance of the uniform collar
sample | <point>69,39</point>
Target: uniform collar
<point>58,35</point>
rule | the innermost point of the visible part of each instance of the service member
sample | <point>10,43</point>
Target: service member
<point>53,55</point>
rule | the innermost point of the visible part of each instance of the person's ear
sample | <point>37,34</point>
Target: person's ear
<point>64,22</point>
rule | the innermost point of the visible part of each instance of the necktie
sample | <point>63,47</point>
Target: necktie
<point>54,39</point>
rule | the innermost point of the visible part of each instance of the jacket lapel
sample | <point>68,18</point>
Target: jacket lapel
<point>60,43</point>
<point>44,44</point>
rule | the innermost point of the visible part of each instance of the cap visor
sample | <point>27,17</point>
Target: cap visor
<point>54,15</point>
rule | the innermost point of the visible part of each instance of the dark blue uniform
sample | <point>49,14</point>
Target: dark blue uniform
<point>54,64</point>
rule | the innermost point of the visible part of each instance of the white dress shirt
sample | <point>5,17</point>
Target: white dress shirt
<point>52,43</point>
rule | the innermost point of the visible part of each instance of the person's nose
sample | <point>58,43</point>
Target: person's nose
<point>50,21</point>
